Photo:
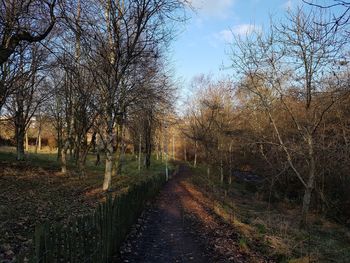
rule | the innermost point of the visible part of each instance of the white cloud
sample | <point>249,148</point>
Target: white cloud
<point>214,8</point>
<point>288,5</point>
<point>291,4</point>
<point>225,35</point>
<point>245,29</point>
<point>228,35</point>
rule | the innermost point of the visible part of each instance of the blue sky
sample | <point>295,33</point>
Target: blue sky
<point>202,45</point>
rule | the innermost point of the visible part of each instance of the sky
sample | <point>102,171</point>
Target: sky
<point>202,44</point>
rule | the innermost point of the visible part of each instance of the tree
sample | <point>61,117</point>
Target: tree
<point>21,24</point>
<point>134,31</point>
<point>293,60</point>
<point>30,92</point>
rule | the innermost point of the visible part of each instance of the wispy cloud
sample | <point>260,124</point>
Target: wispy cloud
<point>225,35</point>
<point>228,35</point>
<point>288,5</point>
<point>291,4</point>
<point>217,8</point>
<point>245,29</point>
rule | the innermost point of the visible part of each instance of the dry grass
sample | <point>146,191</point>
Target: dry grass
<point>276,227</point>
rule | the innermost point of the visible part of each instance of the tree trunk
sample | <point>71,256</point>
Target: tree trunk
<point>26,141</point>
<point>140,149</point>
<point>98,150</point>
<point>117,165</point>
<point>64,157</point>
<point>165,144</point>
<point>195,154</point>
<point>38,140</point>
<point>59,146</point>
<point>109,158</point>
<point>230,168</point>
<point>20,143</point>
<point>84,150</point>
<point>109,168</point>
<point>310,182</point>
<point>221,172</point>
<point>148,144</point>
<point>173,147</point>
<point>157,149</point>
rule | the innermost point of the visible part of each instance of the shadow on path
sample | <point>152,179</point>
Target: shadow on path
<point>162,234</point>
<point>181,226</point>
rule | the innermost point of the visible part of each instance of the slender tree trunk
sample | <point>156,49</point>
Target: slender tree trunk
<point>157,148</point>
<point>81,166</point>
<point>173,147</point>
<point>310,182</point>
<point>84,150</point>
<point>98,150</point>
<point>64,157</point>
<point>38,140</point>
<point>166,153</point>
<point>27,141</point>
<point>140,153</point>
<point>118,150</point>
<point>148,142</point>
<point>162,146</point>
<point>195,154</point>
<point>71,153</point>
<point>221,172</point>
<point>230,162</point>
<point>59,144</point>
<point>109,161</point>
<point>20,143</point>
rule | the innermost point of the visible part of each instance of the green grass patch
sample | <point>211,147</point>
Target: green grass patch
<point>34,191</point>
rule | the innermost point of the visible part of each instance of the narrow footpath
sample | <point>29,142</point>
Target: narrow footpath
<point>179,226</point>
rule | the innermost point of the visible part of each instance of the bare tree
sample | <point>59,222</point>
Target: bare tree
<point>21,22</point>
<point>31,92</point>
<point>293,60</point>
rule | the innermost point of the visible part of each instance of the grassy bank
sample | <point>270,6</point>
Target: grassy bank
<point>273,228</point>
<point>34,191</point>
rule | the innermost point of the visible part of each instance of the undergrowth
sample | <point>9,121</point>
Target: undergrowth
<point>273,229</point>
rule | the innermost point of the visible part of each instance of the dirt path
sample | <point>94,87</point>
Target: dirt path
<point>163,235</point>
<point>180,226</point>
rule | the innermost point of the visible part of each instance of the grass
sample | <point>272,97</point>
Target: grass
<point>273,229</point>
<point>34,191</point>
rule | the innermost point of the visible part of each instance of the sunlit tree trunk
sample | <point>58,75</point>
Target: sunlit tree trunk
<point>195,154</point>
<point>173,146</point>
<point>26,141</point>
<point>311,180</point>
<point>38,139</point>
<point>109,156</point>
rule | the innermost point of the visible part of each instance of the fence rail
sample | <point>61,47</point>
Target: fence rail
<point>95,237</point>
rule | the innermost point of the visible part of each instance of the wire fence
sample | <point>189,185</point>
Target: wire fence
<point>95,237</point>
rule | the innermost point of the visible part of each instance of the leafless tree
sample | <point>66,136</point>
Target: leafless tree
<point>294,59</point>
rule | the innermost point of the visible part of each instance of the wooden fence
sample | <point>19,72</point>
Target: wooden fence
<point>95,237</point>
